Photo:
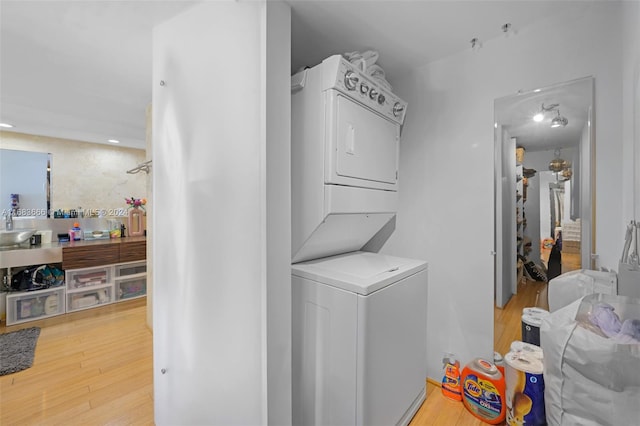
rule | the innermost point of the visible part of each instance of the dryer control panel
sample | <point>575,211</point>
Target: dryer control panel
<point>340,74</point>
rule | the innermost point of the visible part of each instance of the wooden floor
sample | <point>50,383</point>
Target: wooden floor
<point>440,411</point>
<point>90,368</point>
<point>95,368</point>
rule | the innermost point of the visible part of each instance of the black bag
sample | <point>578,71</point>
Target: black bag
<point>555,262</point>
<point>22,280</point>
<point>37,278</point>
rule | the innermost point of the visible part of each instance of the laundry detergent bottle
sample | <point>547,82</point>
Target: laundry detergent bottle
<point>451,379</point>
<point>483,391</point>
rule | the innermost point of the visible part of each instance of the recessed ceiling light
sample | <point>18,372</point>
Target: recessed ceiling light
<point>538,117</point>
<point>114,141</point>
<point>6,125</point>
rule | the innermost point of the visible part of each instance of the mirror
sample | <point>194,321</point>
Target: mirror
<point>90,178</point>
<point>25,183</point>
<point>544,181</point>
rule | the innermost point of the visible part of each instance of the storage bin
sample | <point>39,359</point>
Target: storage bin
<point>131,288</point>
<point>89,298</point>
<point>88,277</point>
<point>131,268</point>
<point>33,305</point>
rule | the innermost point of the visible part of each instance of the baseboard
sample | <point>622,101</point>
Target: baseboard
<point>433,382</point>
<point>413,409</point>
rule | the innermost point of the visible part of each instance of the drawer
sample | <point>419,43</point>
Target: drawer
<point>33,305</point>
<point>133,268</point>
<point>132,251</point>
<point>78,279</point>
<point>91,255</point>
<point>89,298</point>
<point>130,288</point>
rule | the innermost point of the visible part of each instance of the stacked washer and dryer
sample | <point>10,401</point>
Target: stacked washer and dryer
<point>358,318</point>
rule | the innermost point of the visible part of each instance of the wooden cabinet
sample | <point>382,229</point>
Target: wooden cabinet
<point>87,256</point>
<point>132,251</point>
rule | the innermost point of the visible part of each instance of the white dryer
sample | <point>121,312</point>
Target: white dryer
<point>359,339</point>
<point>345,139</point>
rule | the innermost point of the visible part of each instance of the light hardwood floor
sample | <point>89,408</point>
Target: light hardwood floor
<point>95,368</point>
<point>440,411</point>
<point>90,368</point>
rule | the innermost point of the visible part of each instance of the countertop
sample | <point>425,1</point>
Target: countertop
<point>26,254</point>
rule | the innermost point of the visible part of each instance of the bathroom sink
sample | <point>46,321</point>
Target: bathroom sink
<point>15,237</point>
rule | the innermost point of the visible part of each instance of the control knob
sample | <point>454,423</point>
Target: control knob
<point>397,109</point>
<point>364,88</point>
<point>381,99</point>
<point>373,93</point>
<point>350,80</point>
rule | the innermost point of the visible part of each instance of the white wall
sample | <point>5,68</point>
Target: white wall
<point>221,244</point>
<point>276,37</point>
<point>631,114</point>
<point>446,200</point>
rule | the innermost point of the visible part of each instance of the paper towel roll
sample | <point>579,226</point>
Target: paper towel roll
<point>518,346</point>
<point>524,389</point>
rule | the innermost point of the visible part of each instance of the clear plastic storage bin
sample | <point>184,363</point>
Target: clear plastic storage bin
<point>77,279</point>
<point>131,288</point>
<point>132,268</point>
<point>33,305</point>
<point>89,298</point>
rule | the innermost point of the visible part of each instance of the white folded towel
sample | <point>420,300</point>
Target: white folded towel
<point>377,73</point>
<point>363,60</point>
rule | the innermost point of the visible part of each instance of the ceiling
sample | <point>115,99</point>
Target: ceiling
<point>574,99</point>
<point>82,69</point>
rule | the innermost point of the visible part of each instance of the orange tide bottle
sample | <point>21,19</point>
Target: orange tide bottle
<point>451,379</point>
<point>483,391</point>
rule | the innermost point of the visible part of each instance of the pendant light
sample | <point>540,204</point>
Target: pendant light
<point>559,121</point>
<point>557,164</point>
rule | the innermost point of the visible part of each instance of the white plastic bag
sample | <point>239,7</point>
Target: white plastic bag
<point>571,286</point>
<point>590,379</point>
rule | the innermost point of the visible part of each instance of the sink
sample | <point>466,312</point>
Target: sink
<point>15,237</point>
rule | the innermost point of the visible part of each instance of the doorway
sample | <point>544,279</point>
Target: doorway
<point>541,139</point>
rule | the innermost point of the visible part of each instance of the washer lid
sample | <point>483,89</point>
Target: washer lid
<point>358,272</point>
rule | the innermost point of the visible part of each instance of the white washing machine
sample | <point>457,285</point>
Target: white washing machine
<point>359,339</point>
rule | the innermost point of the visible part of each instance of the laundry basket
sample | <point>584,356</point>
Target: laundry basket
<point>590,380</point>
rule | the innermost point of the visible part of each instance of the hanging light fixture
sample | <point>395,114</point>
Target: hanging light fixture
<point>558,164</point>
<point>543,109</point>
<point>559,121</point>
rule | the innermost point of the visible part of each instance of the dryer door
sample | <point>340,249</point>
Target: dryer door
<point>362,149</point>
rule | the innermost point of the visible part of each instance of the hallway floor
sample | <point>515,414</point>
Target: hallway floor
<point>95,367</point>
